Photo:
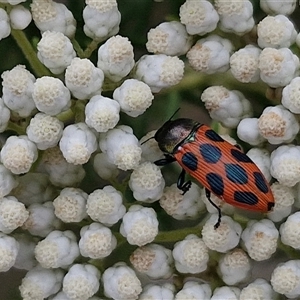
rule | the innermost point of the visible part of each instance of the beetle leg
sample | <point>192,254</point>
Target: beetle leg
<point>207,192</point>
<point>181,184</point>
<point>164,161</point>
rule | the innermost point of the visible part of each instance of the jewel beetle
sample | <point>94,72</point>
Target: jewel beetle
<point>222,168</point>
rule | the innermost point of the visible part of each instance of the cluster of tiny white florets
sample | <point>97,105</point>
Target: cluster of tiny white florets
<point>80,193</point>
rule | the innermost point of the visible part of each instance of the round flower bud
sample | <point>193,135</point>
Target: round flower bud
<point>17,90</point>
<point>81,281</point>
<point>272,7</point>
<point>190,255</point>
<point>285,164</point>
<point>289,231</point>
<point>179,206</point>
<point>4,116</point>
<point>194,290</point>
<point>170,38</point>
<point>45,131</point>
<point>260,239</point>
<point>4,24</point>
<point>248,131</point>
<point>159,71</point>
<point>7,181</point>
<point>97,241</point>
<point>83,79</point>
<point>134,97</point>
<point>151,151</point>
<point>18,154</point>
<point>278,125</point>
<point>105,205</point>
<point>276,32</point>
<point>20,17</point>
<point>49,15</point>
<point>139,225</point>
<point>152,291</point>
<point>55,51</point>
<point>153,260</point>
<point>101,19</point>
<point>70,205</point>
<point>104,167</point>
<point>58,250</point>
<point>9,249</point>
<point>285,279</point>
<point>227,107</point>
<point>147,182</point>
<point>226,293</point>
<point>116,58</point>
<point>259,287</point>
<point>225,237</point>
<point>277,66</point>
<point>50,95</point>
<point>290,96</point>
<point>199,17</point>
<point>77,143</point>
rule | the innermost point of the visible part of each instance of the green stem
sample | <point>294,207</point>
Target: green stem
<point>176,235</point>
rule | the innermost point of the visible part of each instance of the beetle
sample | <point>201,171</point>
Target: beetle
<point>222,168</point>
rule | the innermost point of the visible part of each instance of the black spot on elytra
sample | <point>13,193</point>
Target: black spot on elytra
<point>213,136</point>
<point>190,161</point>
<point>245,197</point>
<point>216,183</point>
<point>236,173</point>
<point>240,156</point>
<point>210,153</point>
<point>260,182</point>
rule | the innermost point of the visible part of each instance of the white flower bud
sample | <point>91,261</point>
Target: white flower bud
<point>169,38</point>
<point>235,16</point>
<point>120,282</point>
<point>77,143</point>
<point>227,107</point>
<point>41,220</point>
<point>199,17</point>
<point>147,182</point>
<point>210,55</point>
<point>83,79</point>
<point>159,71</point>
<point>61,173</point>
<point>259,287</point>
<point>17,90</point>
<point>277,66</point>
<point>58,250</point>
<point>284,199</point>
<point>153,260</point>
<point>290,231</point>
<point>50,15</point>
<point>226,293</point>
<point>152,291</point>
<point>225,237</point>
<point>20,17</point>
<point>105,205</point>
<point>81,281</point>
<point>12,2</point>
<point>25,259</point>
<point>285,279</point>
<point>276,32</point>
<point>4,24</point>
<point>104,167</point>
<point>244,64</point>
<point>122,147</point>
<point>182,207</point>
<point>260,239</point>
<point>278,125</point>
<point>4,116</point>
<point>248,131</point>
<point>13,214</point>
<point>290,96</point>
<point>285,164</point>
<point>101,19</point>
<point>18,154</point>
<point>102,113</point>
<point>9,249</point>
<point>116,58</point>
<point>97,241</point>
<point>50,95</point>
<point>151,151</point>
<point>134,97</point>
<point>194,290</point>
<point>40,283</point>
<point>70,205</point>
<point>7,181</point>
<point>190,255</point>
<point>272,7</point>
<point>139,225</point>
<point>45,131</point>
<point>55,51</point>
<point>234,266</point>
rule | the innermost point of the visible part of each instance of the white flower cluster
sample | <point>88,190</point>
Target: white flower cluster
<point>81,194</point>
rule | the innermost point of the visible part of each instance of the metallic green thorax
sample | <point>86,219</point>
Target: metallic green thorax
<point>175,133</point>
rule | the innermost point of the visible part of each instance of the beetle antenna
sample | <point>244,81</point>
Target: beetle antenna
<point>152,137</point>
<point>176,111</point>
